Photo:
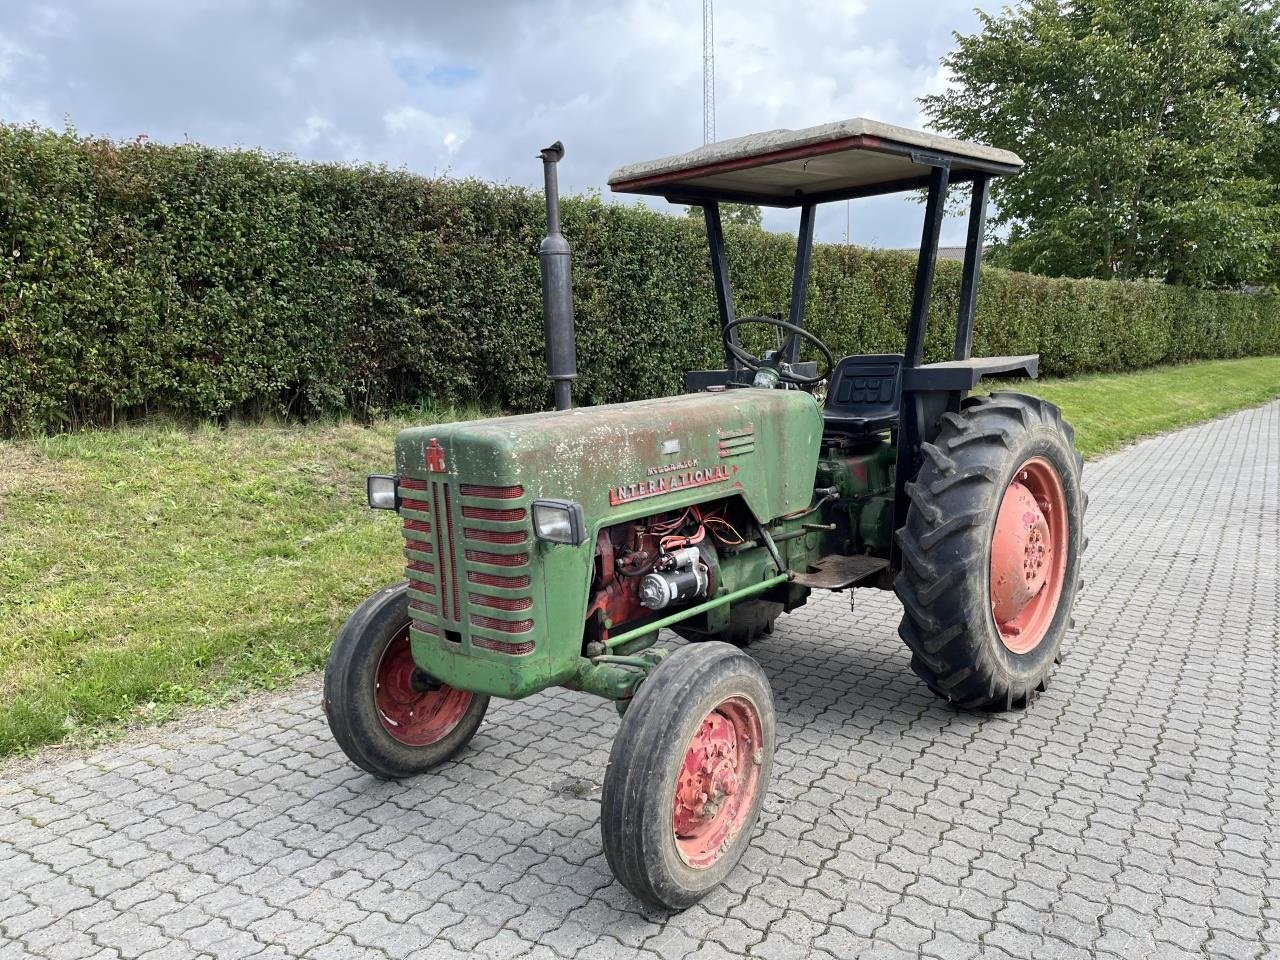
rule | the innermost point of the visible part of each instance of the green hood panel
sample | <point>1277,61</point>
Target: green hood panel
<point>497,611</point>
<point>631,459</point>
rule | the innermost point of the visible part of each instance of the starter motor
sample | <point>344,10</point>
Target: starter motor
<point>684,578</point>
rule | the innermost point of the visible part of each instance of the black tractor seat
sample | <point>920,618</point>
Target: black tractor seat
<point>862,395</point>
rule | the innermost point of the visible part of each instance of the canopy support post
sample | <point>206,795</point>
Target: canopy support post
<point>720,276</point>
<point>800,279</point>
<point>972,269</point>
<point>934,212</point>
<point>913,416</point>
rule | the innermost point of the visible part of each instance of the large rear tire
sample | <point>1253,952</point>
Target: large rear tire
<point>991,551</point>
<point>687,774</point>
<point>390,718</point>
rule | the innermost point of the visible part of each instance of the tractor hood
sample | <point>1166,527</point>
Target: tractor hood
<point>497,611</point>
<point>632,459</point>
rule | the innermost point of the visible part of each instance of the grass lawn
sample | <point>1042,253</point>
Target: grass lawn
<point>147,569</point>
<point>1111,410</point>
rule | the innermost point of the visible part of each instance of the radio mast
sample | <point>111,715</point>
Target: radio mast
<point>708,72</point>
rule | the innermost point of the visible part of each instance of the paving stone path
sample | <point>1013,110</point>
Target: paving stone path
<point>1133,811</point>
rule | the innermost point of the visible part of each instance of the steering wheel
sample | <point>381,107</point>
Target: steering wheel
<point>796,333</point>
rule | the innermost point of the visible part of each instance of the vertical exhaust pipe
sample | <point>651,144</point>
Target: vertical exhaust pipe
<point>557,288</point>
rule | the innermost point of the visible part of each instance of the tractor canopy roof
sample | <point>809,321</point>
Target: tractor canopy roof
<point>791,168</point>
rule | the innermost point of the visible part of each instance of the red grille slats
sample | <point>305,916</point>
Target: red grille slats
<point>497,580</point>
<point>493,513</point>
<point>497,559</point>
<point>504,646</point>
<point>487,492</point>
<point>495,536</point>
<point>500,603</point>
<point>495,623</point>
<point>419,546</point>
<point>496,546</point>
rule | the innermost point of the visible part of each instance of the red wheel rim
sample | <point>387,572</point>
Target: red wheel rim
<point>413,715</point>
<point>1029,555</point>
<point>718,781</point>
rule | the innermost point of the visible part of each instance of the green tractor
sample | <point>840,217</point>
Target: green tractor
<point>550,549</point>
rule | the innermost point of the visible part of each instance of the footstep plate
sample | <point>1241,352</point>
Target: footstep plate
<point>838,572</point>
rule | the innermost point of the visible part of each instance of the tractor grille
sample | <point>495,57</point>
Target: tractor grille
<point>502,646</point>
<point>496,580</point>
<point>468,559</point>
<point>492,513</point>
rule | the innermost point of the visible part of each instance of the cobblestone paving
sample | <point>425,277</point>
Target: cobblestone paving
<point>1133,811</point>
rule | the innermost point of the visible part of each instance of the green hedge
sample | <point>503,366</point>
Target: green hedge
<point>201,283</point>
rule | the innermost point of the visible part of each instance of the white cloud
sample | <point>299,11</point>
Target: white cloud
<point>475,89</point>
<point>48,19</point>
<point>321,136</point>
<point>17,98</point>
<point>411,124</point>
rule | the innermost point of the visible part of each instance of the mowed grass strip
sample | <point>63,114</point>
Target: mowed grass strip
<point>144,568</point>
<point>1109,411</point>
<point>147,569</point>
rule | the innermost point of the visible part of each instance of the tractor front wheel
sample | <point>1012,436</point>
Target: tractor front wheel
<point>687,774</point>
<point>991,551</point>
<point>389,717</point>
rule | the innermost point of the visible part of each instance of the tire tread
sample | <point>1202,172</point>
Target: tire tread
<point>944,618</point>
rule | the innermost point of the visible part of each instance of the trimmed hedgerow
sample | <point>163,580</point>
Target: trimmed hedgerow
<point>139,278</point>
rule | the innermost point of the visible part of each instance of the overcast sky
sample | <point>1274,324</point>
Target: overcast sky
<point>476,88</point>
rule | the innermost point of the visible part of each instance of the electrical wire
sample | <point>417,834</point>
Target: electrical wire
<point>684,540</point>
<point>797,514</point>
<point>713,522</point>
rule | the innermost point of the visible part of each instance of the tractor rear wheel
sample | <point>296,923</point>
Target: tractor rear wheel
<point>389,717</point>
<point>748,620</point>
<point>991,551</point>
<point>687,774</point>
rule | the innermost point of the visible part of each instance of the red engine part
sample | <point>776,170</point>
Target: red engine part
<point>625,553</point>
<point>617,598</point>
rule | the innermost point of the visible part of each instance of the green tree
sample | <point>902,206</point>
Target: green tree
<point>1253,40</point>
<point>1149,130</point>
<point>744,213</point>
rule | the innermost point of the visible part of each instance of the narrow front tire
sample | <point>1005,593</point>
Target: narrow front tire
<point>388,716</point>
<point>687,774</point>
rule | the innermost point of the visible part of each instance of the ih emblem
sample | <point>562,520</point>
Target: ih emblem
<point>435,456</point>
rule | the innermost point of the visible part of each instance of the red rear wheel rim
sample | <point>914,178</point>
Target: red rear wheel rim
<point>718,782</point>
<point>1029,555</point>
<point>410,713</point>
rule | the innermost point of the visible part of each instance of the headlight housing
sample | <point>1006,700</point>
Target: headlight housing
<point>382,492</point>
<point>559,521</point>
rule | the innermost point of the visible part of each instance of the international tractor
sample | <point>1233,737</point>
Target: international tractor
<point>551,549</point>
